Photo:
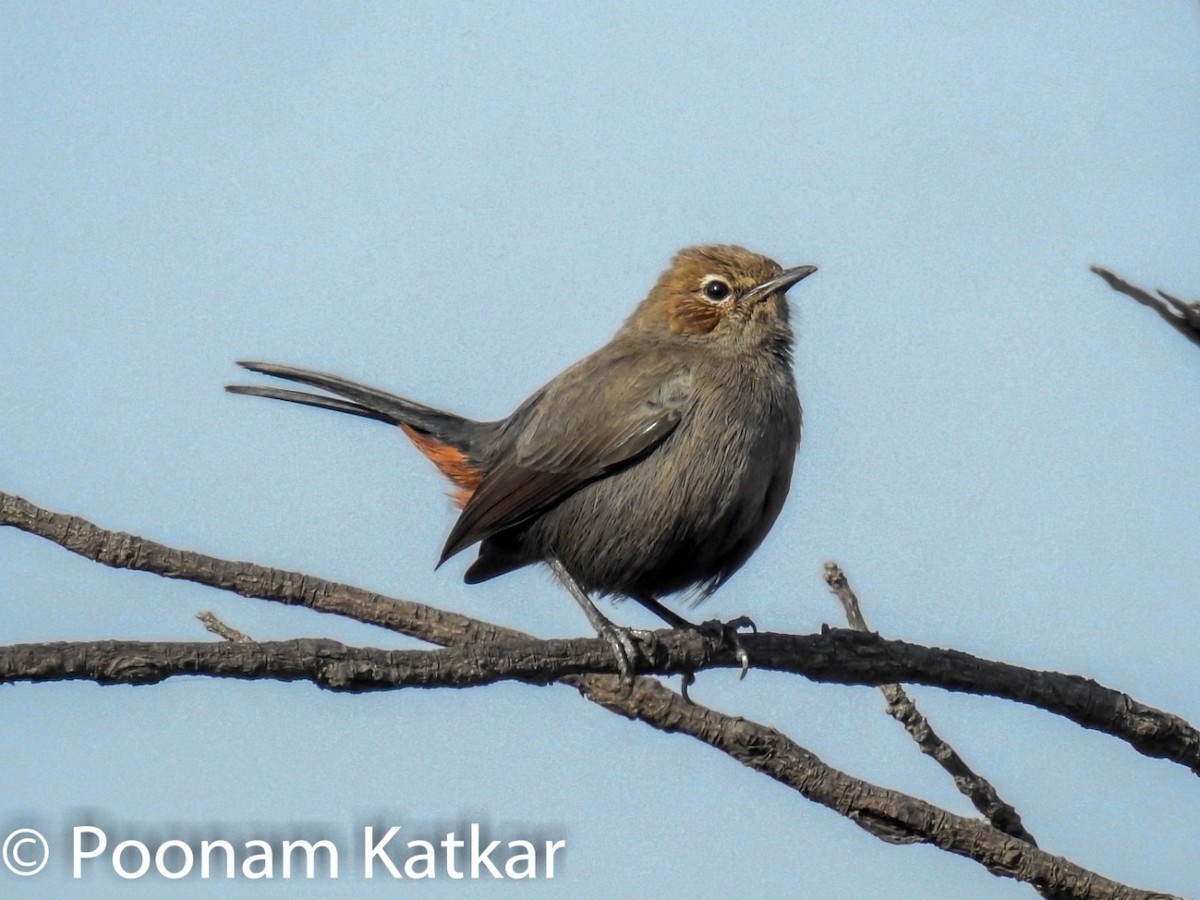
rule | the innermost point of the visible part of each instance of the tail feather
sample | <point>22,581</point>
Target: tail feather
<point>381,405</point>
<point>317,400</point>
<point>455,444</point>
<point>363,400</point>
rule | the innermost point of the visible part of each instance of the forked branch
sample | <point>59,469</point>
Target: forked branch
<point>481,652</point>
<point>1184,317</point>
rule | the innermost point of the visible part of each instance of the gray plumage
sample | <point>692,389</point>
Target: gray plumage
<point>654,466</point>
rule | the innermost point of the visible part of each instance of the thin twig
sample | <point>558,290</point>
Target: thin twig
<point>903,709</point>
<point>1184,317</point>
<point>220,629</point>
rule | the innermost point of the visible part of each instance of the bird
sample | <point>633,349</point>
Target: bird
<point>655,466</point>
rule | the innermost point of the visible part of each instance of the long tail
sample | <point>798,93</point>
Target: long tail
<point>455,444</point>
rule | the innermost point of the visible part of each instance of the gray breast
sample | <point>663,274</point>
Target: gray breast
<point>691,513</point>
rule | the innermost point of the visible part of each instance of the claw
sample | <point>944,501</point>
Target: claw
<point>687,679</point>
<point>742,622</point>
<point>743,657</point>
<point>727,633</point>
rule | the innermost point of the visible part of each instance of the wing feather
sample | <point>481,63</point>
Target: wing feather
<point>563,446</point>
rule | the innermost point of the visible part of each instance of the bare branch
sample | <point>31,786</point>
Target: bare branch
<point>850,657</point>
<point>1182,316</point>
<point>327,663</point>
<point>845,657</point>
<point>889,815</point>
<point>220,629</point>
<point>903,709</point>
<point>120,550</point>
<point>839,586</point>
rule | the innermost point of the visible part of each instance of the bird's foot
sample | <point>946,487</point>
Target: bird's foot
<point>727,634</point>
<point>624,646</point>
<point>620,639</point>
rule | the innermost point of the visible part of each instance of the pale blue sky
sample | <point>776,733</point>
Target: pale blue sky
<point>457,200</point>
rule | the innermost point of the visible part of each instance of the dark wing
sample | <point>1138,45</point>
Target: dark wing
<point>595,418</point>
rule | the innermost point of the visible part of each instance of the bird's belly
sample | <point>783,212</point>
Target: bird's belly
<point>686,516</point>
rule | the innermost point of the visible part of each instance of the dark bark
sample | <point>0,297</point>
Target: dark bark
<point>1184,317</point>
<point>838,656</point>
<point>901,707</point>
<point>889,815</point>
<point>482,653</point>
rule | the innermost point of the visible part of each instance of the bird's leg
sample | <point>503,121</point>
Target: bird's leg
<point>620,639</point>
<point>726,632</point>
<point>669,616</point>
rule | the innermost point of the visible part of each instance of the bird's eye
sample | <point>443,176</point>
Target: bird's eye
<point>716,289</point>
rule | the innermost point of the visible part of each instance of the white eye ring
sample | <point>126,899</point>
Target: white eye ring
<point>716,289</point>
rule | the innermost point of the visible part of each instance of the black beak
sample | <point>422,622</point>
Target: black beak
<point>780,282</point>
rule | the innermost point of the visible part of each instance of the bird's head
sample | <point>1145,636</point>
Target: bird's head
<point>722,294</point>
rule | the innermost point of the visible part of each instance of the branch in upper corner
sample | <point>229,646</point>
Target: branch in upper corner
<point>1184,317</point>
<point>982,794</point>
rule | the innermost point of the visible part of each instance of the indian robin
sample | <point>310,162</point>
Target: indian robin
<point>655,465</point>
